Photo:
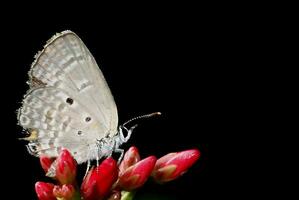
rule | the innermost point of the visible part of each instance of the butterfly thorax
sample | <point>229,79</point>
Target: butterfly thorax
<point>104,147</point>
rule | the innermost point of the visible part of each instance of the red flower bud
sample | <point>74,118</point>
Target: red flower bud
<point>99,180</point>
<point>46,162</point>
<point>173,165</point>
<point>65,192</point>
<point>131,157</point>
<point>44,191</point>
<point>66,168</point>
<point>136,175</point>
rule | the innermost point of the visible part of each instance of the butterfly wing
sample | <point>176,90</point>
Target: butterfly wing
<point>69,103</point>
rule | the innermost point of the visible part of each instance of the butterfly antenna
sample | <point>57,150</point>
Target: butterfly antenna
<point>142,117</point>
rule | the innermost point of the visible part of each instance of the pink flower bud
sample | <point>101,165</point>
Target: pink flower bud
<point>172,165</point>
<point>131,157</point>
<point>66,168</point>
<point>136,175</point>
<point>99,180</point>
<point>44,191</point>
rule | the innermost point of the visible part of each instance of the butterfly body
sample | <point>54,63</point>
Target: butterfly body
<point>69,104</point>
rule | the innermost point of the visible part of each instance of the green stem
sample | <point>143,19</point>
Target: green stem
<point>77,196</point>
<point>127,195</point>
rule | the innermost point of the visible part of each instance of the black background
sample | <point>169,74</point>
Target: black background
<point>169,63</point>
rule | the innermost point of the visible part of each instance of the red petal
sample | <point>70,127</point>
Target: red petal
<point>46,162</point>
<point>44,191</point>
<point>161,162</point>
<point>136,175</point>
<point>99,180</point>
<point>131,157</point>
<point>173,165</point>
<point>66,168</point>
<point>88,185</point>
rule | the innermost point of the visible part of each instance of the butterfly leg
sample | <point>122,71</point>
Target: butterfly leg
<point>121,151</point>
<point>129,133</point>
<point>116,149</point>
<point>87,168</point>
<point>98,159</point>
<point>121,134</point>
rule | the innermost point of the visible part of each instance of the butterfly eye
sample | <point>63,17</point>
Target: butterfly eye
<point>87,119</point>
<point>70,101</point>
<point>79,132</point>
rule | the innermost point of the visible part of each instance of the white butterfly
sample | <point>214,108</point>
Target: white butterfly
<point>69,104</point>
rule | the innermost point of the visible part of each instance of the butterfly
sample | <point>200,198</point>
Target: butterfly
<point>69,104</point>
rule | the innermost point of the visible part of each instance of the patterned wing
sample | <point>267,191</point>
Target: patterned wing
<point>69,103</point>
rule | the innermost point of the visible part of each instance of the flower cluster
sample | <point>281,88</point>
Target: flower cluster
<point>108,180</point>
